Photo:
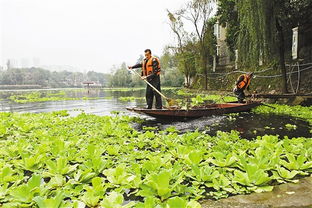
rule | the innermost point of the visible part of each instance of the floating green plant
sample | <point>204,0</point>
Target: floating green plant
<point>54,160</point>
<point>128,99</point>
<point>44,97</point>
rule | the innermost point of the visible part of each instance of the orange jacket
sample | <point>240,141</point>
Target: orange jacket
<point>244,83</point>
<point>147,68</point>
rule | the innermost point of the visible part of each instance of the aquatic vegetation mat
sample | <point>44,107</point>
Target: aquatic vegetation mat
<point>44,97</point>
<point>53,160</point>
<point>298,111</point>
<point>129,89</point>
<point>129,99</point>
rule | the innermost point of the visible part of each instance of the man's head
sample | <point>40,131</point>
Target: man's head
<point>148,53</point>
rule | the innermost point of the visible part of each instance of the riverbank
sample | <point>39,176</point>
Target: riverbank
<point>269,97</point>
<point>290,195</point>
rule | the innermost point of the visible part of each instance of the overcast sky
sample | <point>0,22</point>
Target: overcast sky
<point>85,34</point>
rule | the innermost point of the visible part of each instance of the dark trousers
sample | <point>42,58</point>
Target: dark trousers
<point>239,94</point>
<point>150,93</point>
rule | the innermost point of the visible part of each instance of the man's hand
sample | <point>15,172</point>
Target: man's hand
<point>129,67</point>
<point>143,77</point>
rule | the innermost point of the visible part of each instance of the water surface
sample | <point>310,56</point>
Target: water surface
<point>248,124</point>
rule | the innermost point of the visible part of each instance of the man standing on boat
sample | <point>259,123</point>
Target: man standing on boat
<point>242,83</point>
<point>150,72</point>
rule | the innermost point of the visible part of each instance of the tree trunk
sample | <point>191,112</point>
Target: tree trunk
<point>187,81</point>
<point>187,76</point>
<point>206,73</point>
<point>205,69</point>
<point>281,49</point>
<point>206,79</point>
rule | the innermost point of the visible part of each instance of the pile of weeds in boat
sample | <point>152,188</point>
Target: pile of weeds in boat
<point>192,99</point>
<point>53,160</point>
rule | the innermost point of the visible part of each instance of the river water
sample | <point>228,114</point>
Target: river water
<point>248,124</point>
<point>106,103</point>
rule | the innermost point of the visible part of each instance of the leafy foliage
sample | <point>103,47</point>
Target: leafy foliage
<point>295,111</point>
<point>52,160</point>
<point>46,78</point>
<point>43,97</point>
<point>198,99</point>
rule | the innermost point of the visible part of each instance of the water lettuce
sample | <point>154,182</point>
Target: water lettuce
<point>54,160</point>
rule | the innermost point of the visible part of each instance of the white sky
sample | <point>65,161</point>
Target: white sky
<point>85,34</point>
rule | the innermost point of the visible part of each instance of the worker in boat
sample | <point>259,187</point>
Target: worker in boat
<point>242,83</point>
<point>151,73</point>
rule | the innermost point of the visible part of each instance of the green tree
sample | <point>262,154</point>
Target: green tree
<point>45,78</point>
<point>121,77</point>
<point>198,12</point>
<point>201,40</point>
<point>228,17</point>
<point>257,28</point>
<point>170,74</point>
<point>189,61</point>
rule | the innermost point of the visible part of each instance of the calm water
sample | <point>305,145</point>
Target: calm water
<point>108,101</point>
<point>248,124</point>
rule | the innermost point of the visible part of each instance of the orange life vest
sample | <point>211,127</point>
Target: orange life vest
<point>149,66</point>
<point>245,83</point>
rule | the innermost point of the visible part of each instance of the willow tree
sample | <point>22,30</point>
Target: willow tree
<point>258,27</point>
<point>228,17</point>
<point>256,39</point>
<point>261,35</point>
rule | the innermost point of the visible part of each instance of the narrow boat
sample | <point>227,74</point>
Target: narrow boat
<point>201,111</point>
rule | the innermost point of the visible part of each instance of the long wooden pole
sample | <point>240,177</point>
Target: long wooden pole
<point>151,86</point>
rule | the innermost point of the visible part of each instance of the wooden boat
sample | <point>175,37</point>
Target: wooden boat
<point>207,110</point>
